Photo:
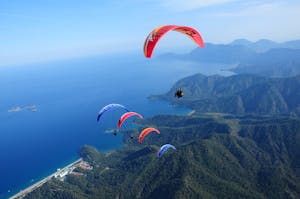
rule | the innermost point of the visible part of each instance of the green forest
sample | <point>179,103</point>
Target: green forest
<point>217,156</point>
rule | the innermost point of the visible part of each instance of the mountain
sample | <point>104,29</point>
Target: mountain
<point>292,44</point>
<point>214,53</point>
<point>264,57</point>
<point>221,54</point>
<point>238,94</point>
<point>264,45</point>
<point>271,59</point>
<point>217,156</point>
<point>276,62</point>
<point>241,42</point>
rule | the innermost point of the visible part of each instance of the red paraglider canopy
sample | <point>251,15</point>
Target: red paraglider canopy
<point>125,116</point>
<point>146,131</point>
<point>157,33</point>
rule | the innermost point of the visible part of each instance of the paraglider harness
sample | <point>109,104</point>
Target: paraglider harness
<point>179,93</point>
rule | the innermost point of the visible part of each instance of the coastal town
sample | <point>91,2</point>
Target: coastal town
<point>60,174</point>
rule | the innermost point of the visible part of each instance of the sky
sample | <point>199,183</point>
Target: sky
<point>41,30</point>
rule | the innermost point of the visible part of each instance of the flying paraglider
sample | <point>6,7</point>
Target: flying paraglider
<point>127,115</point>
<point>179,93</point>
<point>146,131</point>
<point>164,148</point>
<point>109,107</point>
<point>159,32</point>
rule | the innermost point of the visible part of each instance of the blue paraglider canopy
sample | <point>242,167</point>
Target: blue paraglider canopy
<point>165,148</point>
<point>109,107</point>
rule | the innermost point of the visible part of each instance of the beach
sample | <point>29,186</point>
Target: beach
<point>59,172</point>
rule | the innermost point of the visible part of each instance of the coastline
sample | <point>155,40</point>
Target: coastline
<point>22,192</point>
<point>191,112</point>
<point>29,189</point>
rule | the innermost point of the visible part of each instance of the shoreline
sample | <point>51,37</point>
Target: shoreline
<point>31,188</point>
<point>21,193</point>
<point>191,112</point>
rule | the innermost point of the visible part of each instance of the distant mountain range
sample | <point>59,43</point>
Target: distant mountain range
<point>264,45</point>
<point>263,57</point>
<point>279,62</point>
<point>238,94</point>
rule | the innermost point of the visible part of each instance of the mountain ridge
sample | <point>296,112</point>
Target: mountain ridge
<point>263,57</point>
<point>259,161</point>
<point>238,94</point>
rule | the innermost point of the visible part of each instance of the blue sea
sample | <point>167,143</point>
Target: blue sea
<point>67,94</point>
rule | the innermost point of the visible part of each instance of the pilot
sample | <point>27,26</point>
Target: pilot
<point>115,131</point>
<point>179,93</point>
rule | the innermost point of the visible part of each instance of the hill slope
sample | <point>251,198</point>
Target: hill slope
<point>274,63</point>
<point>238,94</point>
<point>259,159</point>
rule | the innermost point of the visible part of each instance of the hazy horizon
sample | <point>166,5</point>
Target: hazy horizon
<point>34,31</point>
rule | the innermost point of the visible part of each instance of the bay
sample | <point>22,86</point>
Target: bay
<point>48,110</point>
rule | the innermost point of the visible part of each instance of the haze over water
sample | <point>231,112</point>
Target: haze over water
<point>68,95</point>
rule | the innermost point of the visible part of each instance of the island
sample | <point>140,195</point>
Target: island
<point>32,108</point>
<point>14,109</point>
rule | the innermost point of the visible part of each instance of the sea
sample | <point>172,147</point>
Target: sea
<point>48,110</point>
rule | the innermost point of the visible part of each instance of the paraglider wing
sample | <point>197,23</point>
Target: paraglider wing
<point>146,131</point>
<point>127,115</point>
<point>109,107</point>
<point>165,148</point>
<point>158,33</point>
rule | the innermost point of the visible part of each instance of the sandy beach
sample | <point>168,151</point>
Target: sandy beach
<point>29,189</point>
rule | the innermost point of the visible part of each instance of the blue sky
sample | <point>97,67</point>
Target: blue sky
<point>41,30</point>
